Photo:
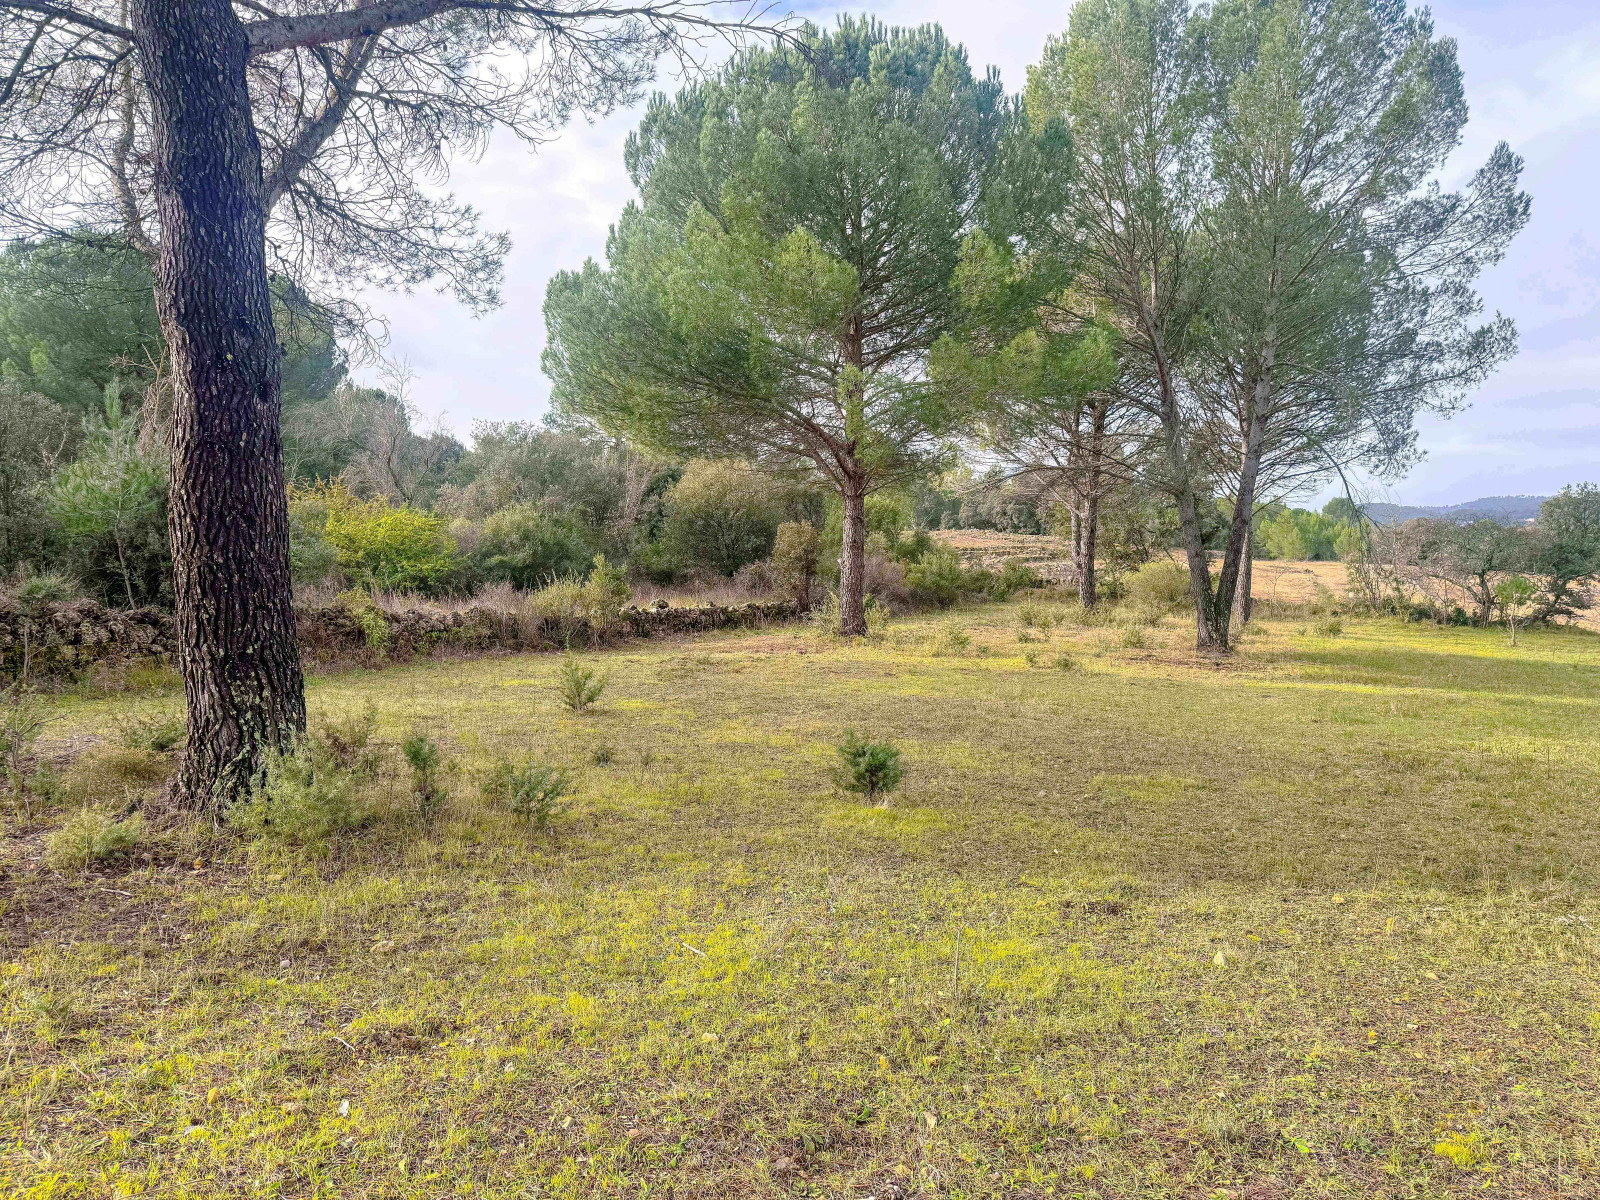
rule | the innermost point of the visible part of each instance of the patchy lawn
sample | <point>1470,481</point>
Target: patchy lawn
<point>1319,920</point>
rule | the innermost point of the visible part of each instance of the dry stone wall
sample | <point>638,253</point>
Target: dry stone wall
<point>75,636</point>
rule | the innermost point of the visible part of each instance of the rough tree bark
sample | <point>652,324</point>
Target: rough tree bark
<point>1243,600</point>
<point>229,519</point>
<point>853,560</point>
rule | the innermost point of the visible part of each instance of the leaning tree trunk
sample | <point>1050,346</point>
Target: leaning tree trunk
<point>1243,599</point>
<point>229,518</point>
<point>853,560</point>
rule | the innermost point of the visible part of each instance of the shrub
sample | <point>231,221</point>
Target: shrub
<point>1033,615</point>
<point>870,769</point>
<point>1133,638</point>
<point>598,600</point>
<point>1011,579</point>
<point>1159,586</point>
<point>533,793</point>
<point>33,592</point>
<point>111,502</point>
<point>303,798</point>
<point>720,516</point>
<point>606,590</point>
<point>953,639</point>
<point>393,548</point>
<point>365,612</point>
<point>936,577</point>
<point>756,578</point>
<point>525,546</point>
<point>1065,662</point>
<point>312,558</point>
<point>1329,627</point>
<point>579,687</point>
<point>795,550</point>
<point>426,760</point>
<point>91,837</point>
<point>349,742</point>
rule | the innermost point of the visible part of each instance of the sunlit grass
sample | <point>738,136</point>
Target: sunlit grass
<point>1156,926</point>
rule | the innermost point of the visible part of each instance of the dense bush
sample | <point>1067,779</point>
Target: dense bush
<point>936,577</point>
<point>33,433</point>
<point>111,505</point>
<point>526,546</point>
<point>795,551</point>
<point>720,516</point>
<point>381,545</point>
<point>1159,586</point>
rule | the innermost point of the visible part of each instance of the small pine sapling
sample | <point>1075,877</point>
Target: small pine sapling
<point>579,687</point>
<point>870,769</point>
<point>426,761</point>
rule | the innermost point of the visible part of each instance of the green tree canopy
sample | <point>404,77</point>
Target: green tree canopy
<point>775,292</point>
<point>1254,212</point>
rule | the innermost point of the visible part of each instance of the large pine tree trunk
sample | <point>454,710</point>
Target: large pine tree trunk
<point>853,561</point>
<point>229,517</point>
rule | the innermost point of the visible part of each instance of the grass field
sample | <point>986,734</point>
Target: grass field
<point>1319,920</point>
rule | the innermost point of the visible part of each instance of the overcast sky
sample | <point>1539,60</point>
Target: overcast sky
<point>1533,78</point>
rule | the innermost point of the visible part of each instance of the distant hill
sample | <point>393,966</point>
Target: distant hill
<point>1508,509</point>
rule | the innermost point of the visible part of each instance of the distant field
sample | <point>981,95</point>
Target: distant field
<point>1271,579</point>
<point>1319,920</point>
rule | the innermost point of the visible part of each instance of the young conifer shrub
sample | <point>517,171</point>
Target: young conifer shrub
<point>427,764</point>
<point>579,687</point>
<point>91,837</point>
<point>870,769</point>
<point>304,797</point>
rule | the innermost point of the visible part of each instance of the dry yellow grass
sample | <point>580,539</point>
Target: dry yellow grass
<point>1288,581</point>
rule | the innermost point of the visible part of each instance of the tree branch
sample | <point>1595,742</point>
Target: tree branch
<point>63,12</point>
<point>315,132</point>
<point>370,17</point>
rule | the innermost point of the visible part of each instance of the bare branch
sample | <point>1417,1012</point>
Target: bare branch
<point>72,16</point>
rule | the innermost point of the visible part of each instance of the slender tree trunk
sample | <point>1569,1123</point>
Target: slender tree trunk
<point>1089,580</point>
<point>122,564</point>
<point>1244,505</point>
<point>853,560</point>
<point>1208,635</point>
<point>1243,600</point>
<point>229,518</point>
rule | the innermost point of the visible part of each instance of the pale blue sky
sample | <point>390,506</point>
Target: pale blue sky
<point>1533,78</point>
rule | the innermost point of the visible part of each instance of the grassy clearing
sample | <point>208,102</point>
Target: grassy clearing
<point>1317,921</point>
